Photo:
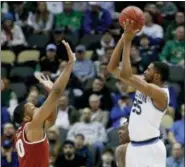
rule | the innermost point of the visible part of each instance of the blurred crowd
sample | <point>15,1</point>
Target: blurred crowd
<point>91,110</point>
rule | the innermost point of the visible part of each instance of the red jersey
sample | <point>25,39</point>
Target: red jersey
<point>31,154</point>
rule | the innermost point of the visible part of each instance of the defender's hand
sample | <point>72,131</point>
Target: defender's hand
<point>71,55</point>
<point>45,81</point>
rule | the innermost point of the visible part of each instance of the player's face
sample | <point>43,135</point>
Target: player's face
<point>29,109</point>
<point>149,73</point>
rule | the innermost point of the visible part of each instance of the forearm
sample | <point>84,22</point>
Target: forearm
<point>115,57</point>
<point>126,68</point>
<point>62,80</point>
<point>171,138</point>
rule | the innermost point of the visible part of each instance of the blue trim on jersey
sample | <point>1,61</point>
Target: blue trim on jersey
<point>145,142</point>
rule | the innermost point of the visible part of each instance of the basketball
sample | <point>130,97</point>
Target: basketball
<point>133,13</point>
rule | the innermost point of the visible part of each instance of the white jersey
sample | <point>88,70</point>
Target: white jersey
<point>145,118</point>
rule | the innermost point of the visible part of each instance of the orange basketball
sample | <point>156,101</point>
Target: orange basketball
<point>133,13</point>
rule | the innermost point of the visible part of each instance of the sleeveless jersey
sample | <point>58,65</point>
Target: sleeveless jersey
<point>31,154</point>
<point>145,118</point>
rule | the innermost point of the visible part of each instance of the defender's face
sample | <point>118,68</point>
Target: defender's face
<point>149,73</point>
<point>29,109</point>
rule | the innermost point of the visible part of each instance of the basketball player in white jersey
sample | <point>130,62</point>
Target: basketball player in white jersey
<point>151,101</point>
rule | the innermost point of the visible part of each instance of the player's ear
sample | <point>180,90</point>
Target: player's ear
<point>157,76</point>
<point>27,118</point>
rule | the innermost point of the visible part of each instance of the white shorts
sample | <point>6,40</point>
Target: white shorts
<point>150,155</point>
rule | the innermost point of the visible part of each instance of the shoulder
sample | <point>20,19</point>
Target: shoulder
<point>157,26</point>
<point>16,27</point>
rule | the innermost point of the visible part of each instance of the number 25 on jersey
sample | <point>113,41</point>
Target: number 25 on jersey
<point>136,106</point>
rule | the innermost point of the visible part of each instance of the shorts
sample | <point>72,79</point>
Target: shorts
<point>150,155</point>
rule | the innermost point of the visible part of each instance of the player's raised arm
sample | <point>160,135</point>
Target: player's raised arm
<point>50,105</point>
<point>115,59</point>
<point>151,90</point>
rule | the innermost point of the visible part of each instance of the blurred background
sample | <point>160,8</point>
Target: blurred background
<point>90,111</point>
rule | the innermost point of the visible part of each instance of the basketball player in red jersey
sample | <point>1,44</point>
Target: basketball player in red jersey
<point>30,140</point>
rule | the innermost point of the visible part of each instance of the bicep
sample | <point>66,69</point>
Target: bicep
<point>150,90</point>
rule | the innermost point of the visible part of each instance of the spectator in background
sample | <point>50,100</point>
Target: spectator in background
<point>7,94</point>
<point>177,158</point>
<point>42,20</point>
<point>55,7</point>
<point>98,88</point>
<point>83,68</point>
<point>176,133</point>
<point>171,29</point>
<point>74,82</point>
<point>120,110</point>
<point>96,19</point>
<point>97,113</point>
<point>49,64</point>
<point>152,30</point>
<point>110,6</point>
<point>167,8</point>
<point>21,15</point>
<point>5,116</point>
<point>107,158</point>
<point>83,150</point>
<point>11,34</point>
<point>148,53</point>
<point>33,97</point>
<point>94,132</point>
<point>54,140</point>
<point>173,51</point>
<point>9,157</point>
<point>57,36</point>
<point>67,114</point>
<point>158,18</point>
<point>8,132</point>
<point>69,158</point>
<point>107,41</point>
<point>69,18</point>
<point>110,81</point>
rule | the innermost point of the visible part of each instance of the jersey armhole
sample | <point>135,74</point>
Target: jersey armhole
<point>28,142</point>
<point>166,104</point>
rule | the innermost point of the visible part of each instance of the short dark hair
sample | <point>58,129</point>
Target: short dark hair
<point>80,135</point>
<point>163,69</point>
<point>18,114</point>
<point>69,142</point>
<point>109,150</point>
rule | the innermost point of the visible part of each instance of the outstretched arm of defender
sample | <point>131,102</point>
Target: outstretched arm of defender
<point>151,90</point>
<point>50,105</point>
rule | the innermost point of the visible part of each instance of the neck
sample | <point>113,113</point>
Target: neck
<point>79,146</point>
<point>70,158</point>
<point>95,109</point>
<point>63,107</point>
<point>149,24</point>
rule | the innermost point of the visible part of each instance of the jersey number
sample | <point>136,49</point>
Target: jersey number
<point>136,106</point>
<point>20,148</point>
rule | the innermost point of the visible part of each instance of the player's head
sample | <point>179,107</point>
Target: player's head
<point>23,112</point>
<point>157,72</point>
<point>69,148</point>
